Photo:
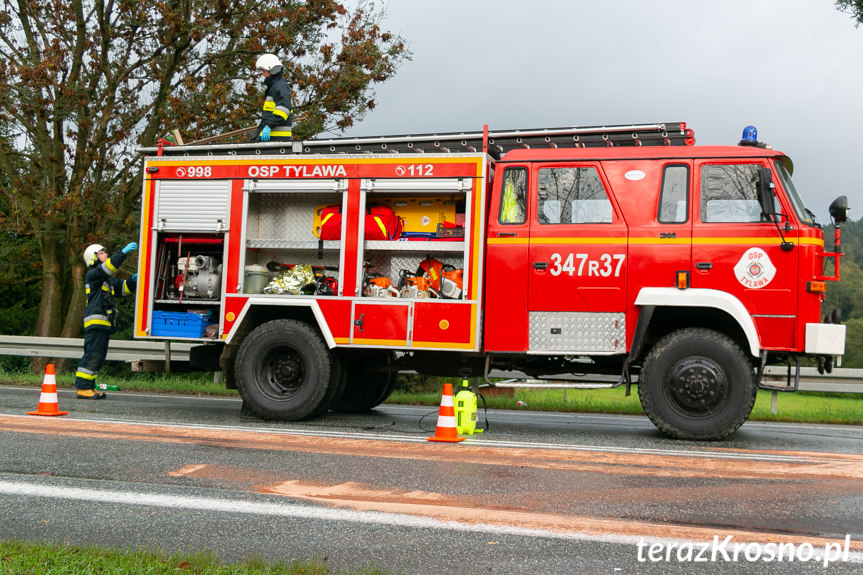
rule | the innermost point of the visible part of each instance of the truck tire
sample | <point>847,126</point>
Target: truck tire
<point>338,380</point>
<point>697,384</point>
<point>283,370</point>
<point>366,387</point>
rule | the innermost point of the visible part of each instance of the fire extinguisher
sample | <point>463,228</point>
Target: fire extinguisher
<point>465,410</point>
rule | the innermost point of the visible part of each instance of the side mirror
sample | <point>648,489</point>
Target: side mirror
<point>839,211</point>
<point>765,193</point>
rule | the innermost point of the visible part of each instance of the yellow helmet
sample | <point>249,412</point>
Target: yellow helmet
<point>90,253</point>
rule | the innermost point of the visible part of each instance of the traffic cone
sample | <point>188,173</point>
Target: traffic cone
<point>48,399</point>
<point>446,418</point>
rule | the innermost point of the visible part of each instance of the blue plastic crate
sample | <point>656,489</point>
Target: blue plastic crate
<point>178,324</point>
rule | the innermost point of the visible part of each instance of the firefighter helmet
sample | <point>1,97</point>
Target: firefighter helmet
<point>269,63</point>
<point>90,253</point>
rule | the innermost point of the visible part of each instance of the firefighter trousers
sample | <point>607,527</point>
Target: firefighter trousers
<point>95,351</point>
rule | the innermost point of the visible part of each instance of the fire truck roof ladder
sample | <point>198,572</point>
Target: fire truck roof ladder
<point>494,142</point>
<point>498,142</point>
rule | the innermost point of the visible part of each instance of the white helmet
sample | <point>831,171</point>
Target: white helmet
<point>269,63</point>
<point>90,253</point>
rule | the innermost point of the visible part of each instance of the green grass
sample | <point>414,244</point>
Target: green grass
<point>803,407</point>
<point>54,559</point>
<point>187,383</point>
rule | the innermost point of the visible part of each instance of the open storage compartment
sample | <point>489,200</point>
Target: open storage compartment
<point>435,216</point>
<point>188,285</point>
<point>283,230</point>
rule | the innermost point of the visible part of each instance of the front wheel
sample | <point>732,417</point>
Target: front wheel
<point>283,370</point>
<point>697,384</point>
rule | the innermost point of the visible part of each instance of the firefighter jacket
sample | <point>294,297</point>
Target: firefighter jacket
<point>101,287</point>
<point>277,110</point>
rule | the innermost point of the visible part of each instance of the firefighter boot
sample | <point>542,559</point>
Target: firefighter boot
<point>90,394</point>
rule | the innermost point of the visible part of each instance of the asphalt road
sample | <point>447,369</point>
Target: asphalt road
<point>536,493</point>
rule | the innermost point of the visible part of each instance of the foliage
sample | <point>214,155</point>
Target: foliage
<point>851,7</point>
<point>84,83</point>
<point>853,343</point>
<point>847,294</point>
<point>419,383</point>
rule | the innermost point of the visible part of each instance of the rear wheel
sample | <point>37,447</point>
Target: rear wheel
<point>283,370</point>
<point>697,384</point>
<point>369,380</point>
<point>338,379</point>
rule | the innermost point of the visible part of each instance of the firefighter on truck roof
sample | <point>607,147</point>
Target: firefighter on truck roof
<point>275,124</point>
<point>100,315</point>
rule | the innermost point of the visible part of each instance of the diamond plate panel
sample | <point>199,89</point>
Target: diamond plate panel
<point>577,332</point>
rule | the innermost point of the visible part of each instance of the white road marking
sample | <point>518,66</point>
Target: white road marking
<point>283,510</point>
<point>195,503</point>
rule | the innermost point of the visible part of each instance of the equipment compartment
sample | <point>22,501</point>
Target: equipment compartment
<point>427,206</point>
<point>281,216</point>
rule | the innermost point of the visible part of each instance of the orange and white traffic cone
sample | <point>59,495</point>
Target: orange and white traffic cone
<point>48,399</point>
<point>446,418</point>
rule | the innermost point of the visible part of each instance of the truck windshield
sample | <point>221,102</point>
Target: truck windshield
<point>796,201</point>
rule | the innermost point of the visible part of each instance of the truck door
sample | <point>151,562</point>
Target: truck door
<point>505,302</point>
<point>576,262</point>
<point>736,249</point>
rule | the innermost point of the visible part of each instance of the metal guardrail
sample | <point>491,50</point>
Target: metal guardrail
<point>118,350</point>
<point>841,380</point>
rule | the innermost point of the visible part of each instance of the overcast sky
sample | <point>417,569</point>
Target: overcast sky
<point>792,68</point>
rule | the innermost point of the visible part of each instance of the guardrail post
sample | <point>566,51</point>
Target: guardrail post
<point>167,356</point>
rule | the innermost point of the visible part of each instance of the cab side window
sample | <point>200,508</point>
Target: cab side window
<point>729,193</point>
<point>572,196</point>
<point>513,200</point>
<point>674,196</point>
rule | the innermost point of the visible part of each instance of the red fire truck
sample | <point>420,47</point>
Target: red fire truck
<point>312,272</point>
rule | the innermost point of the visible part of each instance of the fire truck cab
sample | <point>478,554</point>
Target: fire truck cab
<point>311,273</point>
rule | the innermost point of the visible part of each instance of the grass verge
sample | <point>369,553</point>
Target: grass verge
<point>802,407</point>
<point>186,383</point>
<point>25,558</point>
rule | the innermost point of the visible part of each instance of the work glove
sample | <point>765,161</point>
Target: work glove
<point>265,134</point>
<point>130,247</point>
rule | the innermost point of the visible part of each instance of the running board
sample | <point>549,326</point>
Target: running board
<point>548,383</point>
<point>788,386</point>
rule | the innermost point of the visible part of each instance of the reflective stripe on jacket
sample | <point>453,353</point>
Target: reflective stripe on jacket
<point>277,111</point>
<point>100,289</point>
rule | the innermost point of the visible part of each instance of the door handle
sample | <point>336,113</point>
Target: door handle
<point>359,322</point>
<point>540,265</point>
<point>506,234</point>
<point>704,266</point>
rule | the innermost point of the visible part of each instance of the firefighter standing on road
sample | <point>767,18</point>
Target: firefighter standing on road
<point>275,124</point>
<point>100,315</point>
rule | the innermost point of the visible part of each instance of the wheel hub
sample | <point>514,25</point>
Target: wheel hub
<point>696,385</point>
<point>285,373</point>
